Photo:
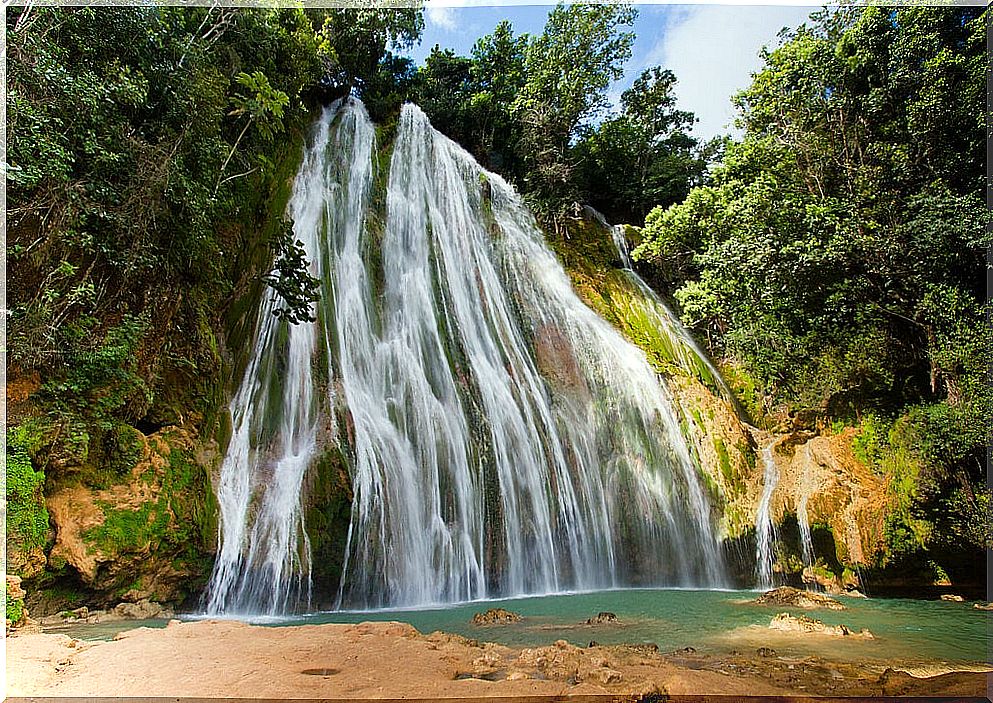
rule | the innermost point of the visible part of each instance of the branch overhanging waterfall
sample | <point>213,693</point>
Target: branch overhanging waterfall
<point>502,438</point>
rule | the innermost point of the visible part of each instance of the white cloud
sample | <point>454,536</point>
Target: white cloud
<point>713,50</point>
<point>444,17</point>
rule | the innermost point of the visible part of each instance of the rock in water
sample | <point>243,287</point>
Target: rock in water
<point>980,606</point>
<point>495,616</point>
<point>789,623</point>
<point>787,595</point>
<point>602,618</point>
<point>952,597</point>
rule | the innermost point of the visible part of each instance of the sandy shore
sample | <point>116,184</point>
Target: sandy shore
<point>393,660</point>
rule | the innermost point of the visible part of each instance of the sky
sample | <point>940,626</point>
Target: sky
<point>712,49</point>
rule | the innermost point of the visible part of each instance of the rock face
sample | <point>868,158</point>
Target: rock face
<point>602,619</point>
<point>790,623</point>
<point>495,616</point>
<point>145,535</point>
<point>787,595</point>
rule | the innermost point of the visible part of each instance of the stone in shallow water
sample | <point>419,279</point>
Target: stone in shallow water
<point>495,616</point>
<point>602,618</point>
<point>787,595</point>
<point>790,623</point>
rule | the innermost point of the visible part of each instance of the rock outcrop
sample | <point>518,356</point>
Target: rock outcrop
<point>787,595</point>
<point>785,622</point>
<point>602,619</point>
<point>495,616</point>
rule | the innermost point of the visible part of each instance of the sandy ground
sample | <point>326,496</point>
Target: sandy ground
<point>393,660</point>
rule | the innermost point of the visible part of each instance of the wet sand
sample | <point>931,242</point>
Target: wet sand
<point>393,660</point>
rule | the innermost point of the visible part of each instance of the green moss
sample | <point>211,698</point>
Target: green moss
<point>724,460</point>
<point>27,516</point>
<point>180,520</point>
<point>14,607</point>
<point>329,503</point>
<point>871,442</point>
<point>748,393</point>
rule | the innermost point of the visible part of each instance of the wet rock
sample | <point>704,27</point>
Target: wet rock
<point>790,623</point>
<point>787,595</point>
<point>602,618</point>
<point>952,597</point>
<point>495,616</point>
<point>594,643</point>
<point>981,606</point>
<point>142,610</point>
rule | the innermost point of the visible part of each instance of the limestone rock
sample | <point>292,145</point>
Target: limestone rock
<point>495,616</point>
<point>789,596</point>
<point>785,622</point>
<point>15,603</point>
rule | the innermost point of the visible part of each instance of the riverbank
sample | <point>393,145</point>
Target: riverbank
<point>393,660</point>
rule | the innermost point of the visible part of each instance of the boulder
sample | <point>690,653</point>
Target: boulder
<point>602,618</point>
<point>982,606</point>
<point>495,616</point>
<point>144,609</point>
<point>952,597</point>
<point>787,595</point>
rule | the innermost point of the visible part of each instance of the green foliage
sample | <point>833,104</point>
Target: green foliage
<point>521,103</point>
<point>821,255</point>
<point>643,157</point>
<point>291,279</point>
<point>870,444</point>
<point>27,516</point>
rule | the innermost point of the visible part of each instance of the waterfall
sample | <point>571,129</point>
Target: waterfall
<point>803,520</point>
<point>806,543</point>
<point>502,438</point>
<point>765,530</point>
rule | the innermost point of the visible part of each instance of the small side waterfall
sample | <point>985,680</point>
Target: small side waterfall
<point>765,529</point>
<point>806,542</point>
<point>501,438</point>
<point>683,347</point>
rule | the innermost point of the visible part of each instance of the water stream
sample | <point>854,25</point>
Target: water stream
<point>765,528</point>
<point>501,438</point>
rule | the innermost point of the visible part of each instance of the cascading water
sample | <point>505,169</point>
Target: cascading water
<point>803,521</point>
<point>502,438</point>
<point>806,542</point>
<point>765,530</point>
<point>683,347</point>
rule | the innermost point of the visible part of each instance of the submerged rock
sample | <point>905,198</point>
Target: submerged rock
<point>602,618</point>
<point>791,623</point>
<point>787,595</point>
<point>495,616</point>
